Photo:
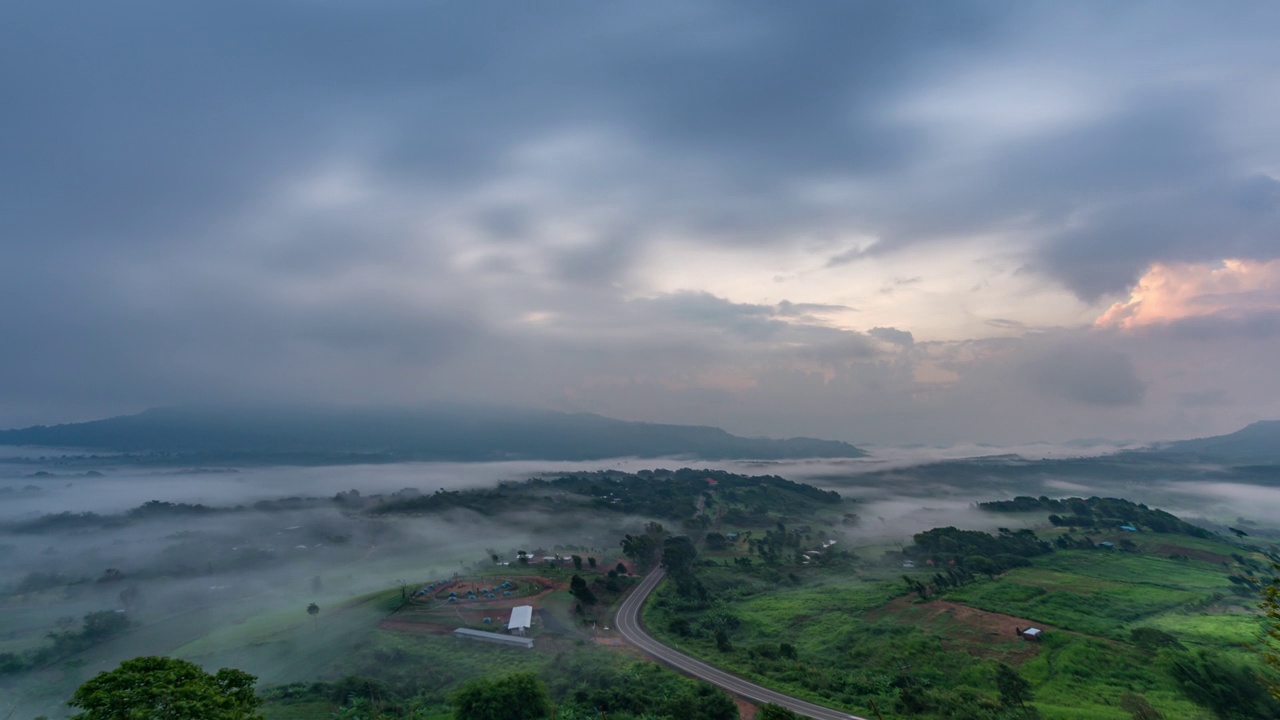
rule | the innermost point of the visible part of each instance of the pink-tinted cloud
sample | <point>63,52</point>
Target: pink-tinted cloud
<point>1168,292</point>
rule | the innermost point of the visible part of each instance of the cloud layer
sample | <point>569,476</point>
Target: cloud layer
<point>866,222</point>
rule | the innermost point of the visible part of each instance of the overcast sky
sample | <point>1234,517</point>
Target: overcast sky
<point>878,222</point>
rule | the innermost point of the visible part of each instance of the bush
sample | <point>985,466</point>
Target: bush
<point>515,697</point>
<point>1228,688</point>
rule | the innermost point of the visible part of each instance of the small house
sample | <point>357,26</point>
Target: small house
<point>1032,634</point>
<point>1128,528</point>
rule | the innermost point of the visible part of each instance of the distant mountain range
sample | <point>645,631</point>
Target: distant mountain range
<point>312,435</point>
<point>1255,443</point>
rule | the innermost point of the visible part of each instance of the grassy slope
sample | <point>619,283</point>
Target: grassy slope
<point>845,624</point>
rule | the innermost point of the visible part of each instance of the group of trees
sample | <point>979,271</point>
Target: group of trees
<point>645,549</point>
<point>961,555</point>
<point>66,521</point>
<point>679,557</point>
<point>1100,513</point>
<point>161,688</point>
<point>1067,541</point>
<point>96,627</point>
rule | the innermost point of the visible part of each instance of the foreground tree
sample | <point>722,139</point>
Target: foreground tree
<point>1014,689</point>
<point>1139,708</point>
<point>162,688</point>
<point>1271,606</point>
<point>579,589</point>
<point>516,697</point>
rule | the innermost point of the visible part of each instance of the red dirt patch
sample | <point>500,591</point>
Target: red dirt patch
<point>437,603</point>
<point>973,630</point>
<point>746,711</point>
<point>1205,555</point>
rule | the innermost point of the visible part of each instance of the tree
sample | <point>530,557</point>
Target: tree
<point>162,688</point>
<point>592,562</point>
<point>111,575</point>
<point>131,598</point>
<point>715,541</point>
<point>1139,708</point>
<point>578,588</point>
<point>1271,606</point>
<point>1014,689</point>
<point>577,563</point>
<point>1231,689</point>
<point>678,555</point>
<point>981,564</point>
<point>516,697</point>
<point>722,641</point>
<point>313,610</point>
<point>622,569</point>
<point>641,549</point>
<point>100,625</point>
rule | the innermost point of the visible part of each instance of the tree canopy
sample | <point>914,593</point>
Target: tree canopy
<point>162,688</point>
<point>516,697</point>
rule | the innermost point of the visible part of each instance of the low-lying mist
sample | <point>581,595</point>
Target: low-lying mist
<point>194,549</point>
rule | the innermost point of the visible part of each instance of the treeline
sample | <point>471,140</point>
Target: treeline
<point>959,556</point>
<point>152,509</point>
<point>483,501</point>
<point>674,493</point>
<point>668,494</point>
<point>96,627</point>
<point>571,689</point>
<point>1008,548</point>
<point>659,493</point>
<point>1102,513</point>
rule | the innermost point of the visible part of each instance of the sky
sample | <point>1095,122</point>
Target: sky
<point>883,222</point>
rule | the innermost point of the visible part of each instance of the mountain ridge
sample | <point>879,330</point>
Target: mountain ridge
<point>1257,441</point>
<point>453,433</point>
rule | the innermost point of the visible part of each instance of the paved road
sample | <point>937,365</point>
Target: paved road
<point>628,624</point>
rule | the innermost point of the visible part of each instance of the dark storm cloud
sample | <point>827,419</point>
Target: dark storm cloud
<point>149,118</point>
<point>1198,222</point>
<point>392,201</point>
<point>1147,181</point>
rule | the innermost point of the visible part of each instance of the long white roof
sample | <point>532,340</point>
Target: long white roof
<point>521,617</point>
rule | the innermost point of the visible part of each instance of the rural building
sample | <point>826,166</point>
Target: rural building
<point>521,620</point>
<point>1128,528</point>
<point>493,637</point>
<point>1030,633</point>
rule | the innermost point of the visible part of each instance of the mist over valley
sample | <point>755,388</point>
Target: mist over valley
<point>186,552</point>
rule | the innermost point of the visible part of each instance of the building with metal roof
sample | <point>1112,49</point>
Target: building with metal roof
<point>521,619</point>
<point>498,638</point>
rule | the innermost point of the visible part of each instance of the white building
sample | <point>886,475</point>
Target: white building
<point>521,619</point>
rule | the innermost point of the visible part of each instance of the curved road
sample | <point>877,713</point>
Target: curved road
<point>628,623</point>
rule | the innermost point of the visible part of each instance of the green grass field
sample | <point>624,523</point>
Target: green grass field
<point>858,635</point>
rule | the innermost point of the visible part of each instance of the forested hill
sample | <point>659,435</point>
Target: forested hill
<point>1259,442</point>
<point>442,433</point>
